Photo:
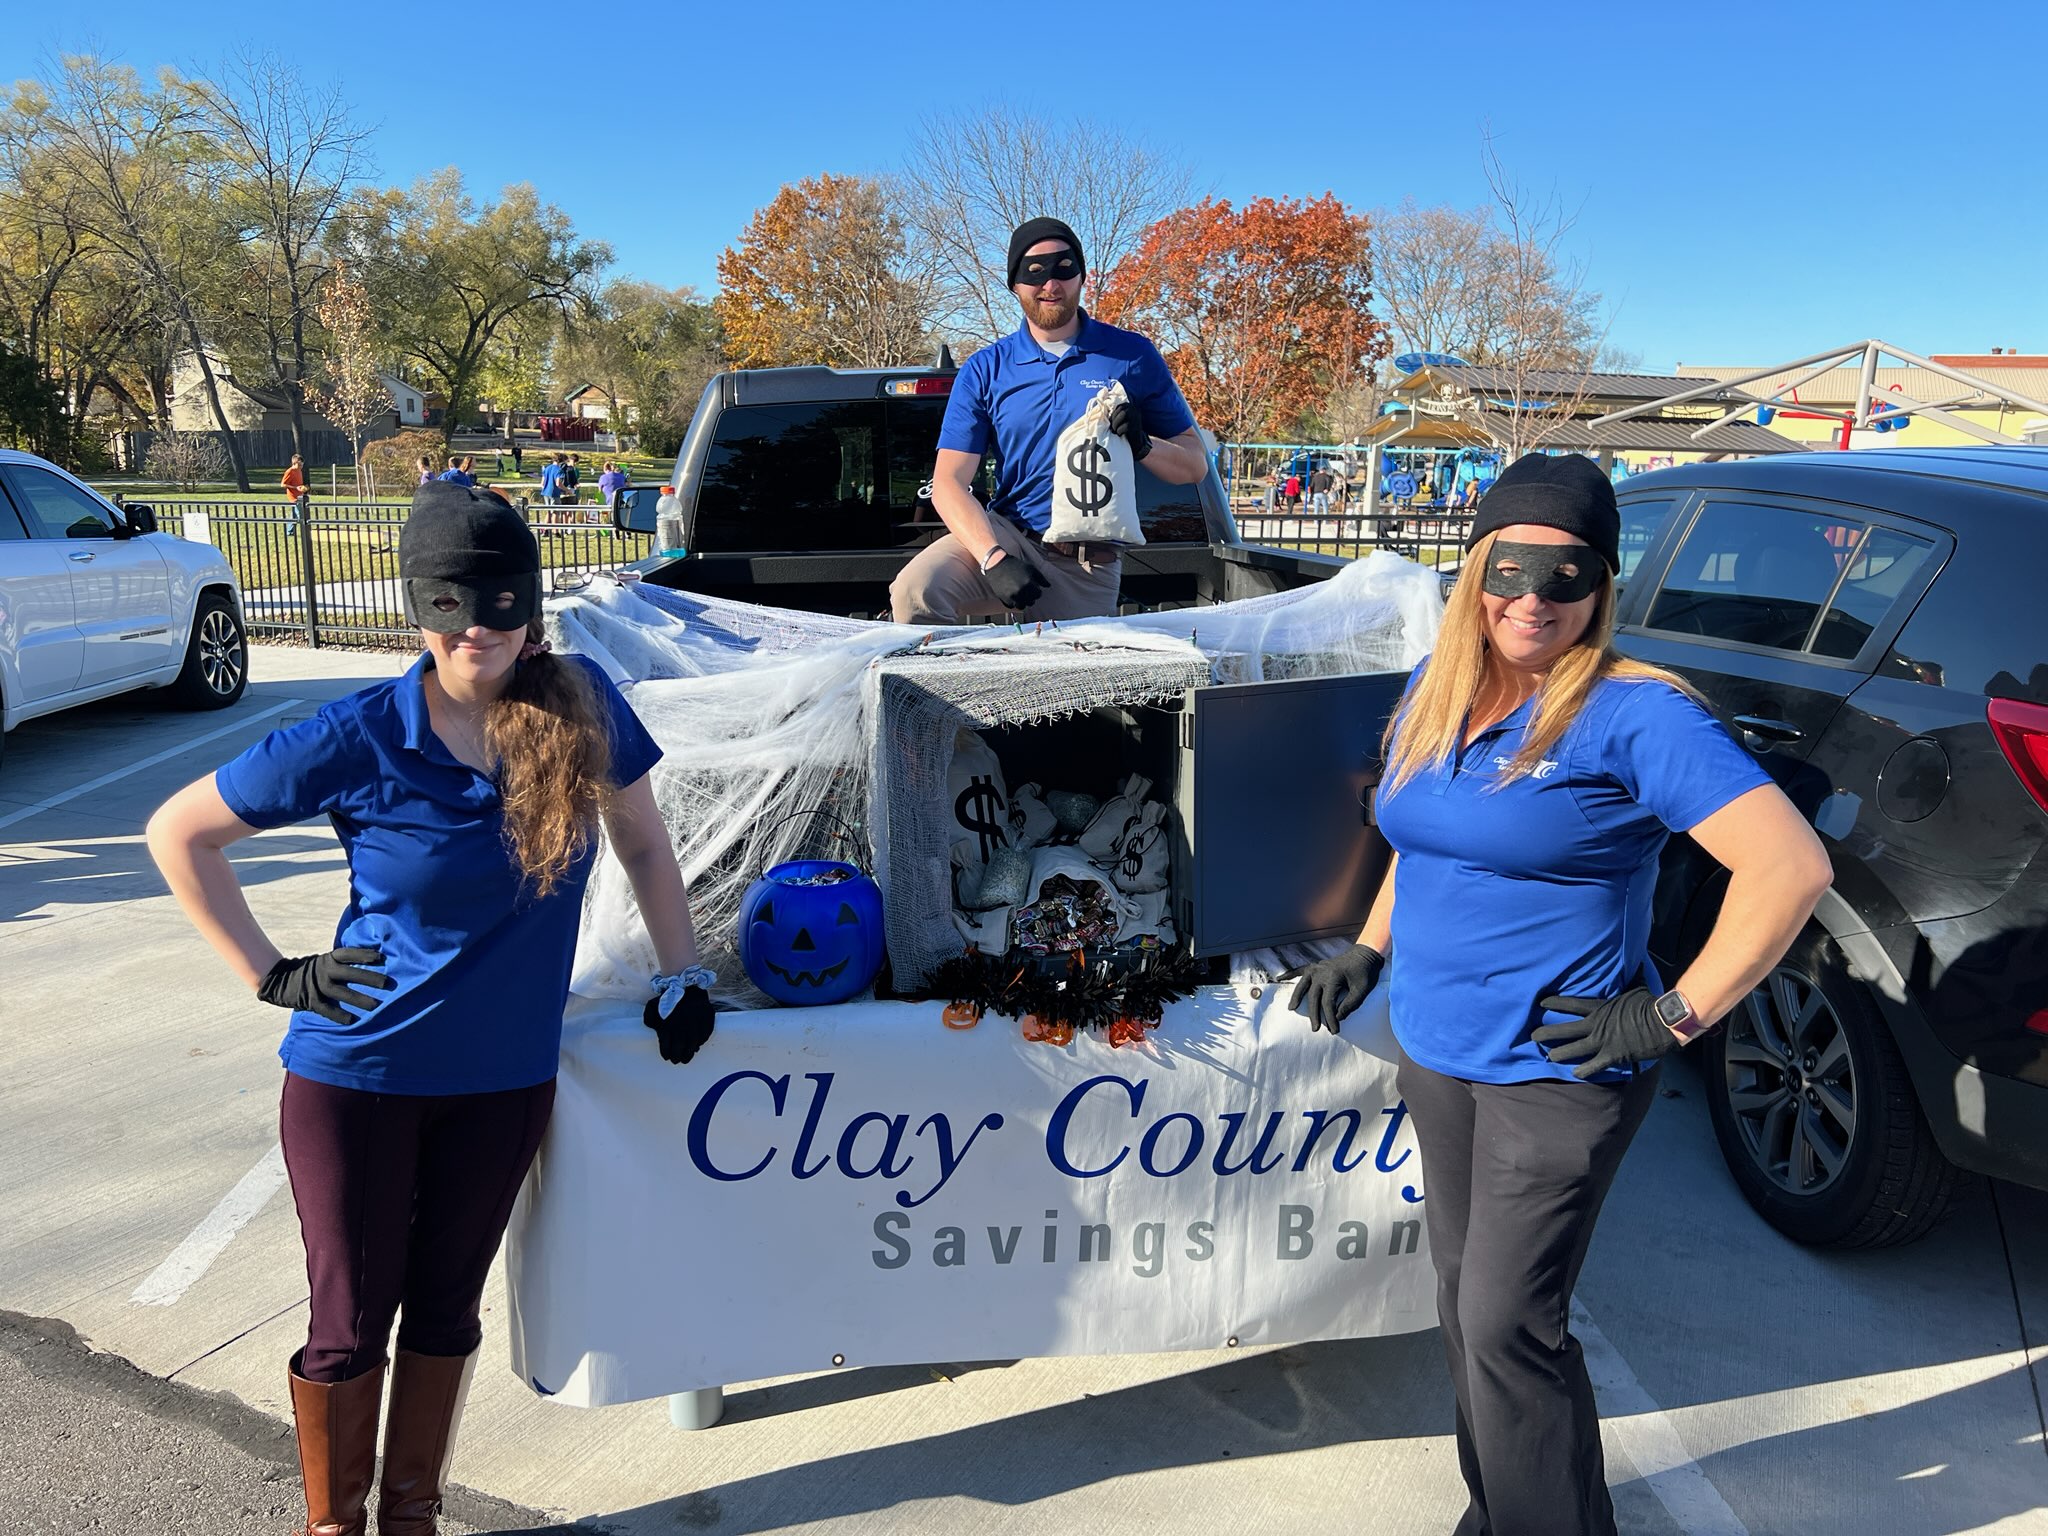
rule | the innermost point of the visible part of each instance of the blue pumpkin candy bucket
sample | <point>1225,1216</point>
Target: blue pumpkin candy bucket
<point>810,930</point>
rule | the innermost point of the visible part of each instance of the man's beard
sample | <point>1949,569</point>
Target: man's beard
<point>1050,314</point>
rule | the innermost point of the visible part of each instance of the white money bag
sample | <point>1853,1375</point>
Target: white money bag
<point>1094,481</point>
<point>981,807</point>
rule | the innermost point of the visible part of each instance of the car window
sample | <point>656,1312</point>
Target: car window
<point>794,477</point>
<point>1754,573</point>
<point>10,521</point>
<point>54,508</point>
<point>1642,519</point>
<point>1875,573</point>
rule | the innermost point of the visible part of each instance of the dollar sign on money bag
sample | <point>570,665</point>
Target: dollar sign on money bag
<point>978,810</point>
<point>1084,461</point>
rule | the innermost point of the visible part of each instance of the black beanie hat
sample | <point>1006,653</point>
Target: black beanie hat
<point>1566,492</point>
<point>1030,232</point>
<point>471,545</point>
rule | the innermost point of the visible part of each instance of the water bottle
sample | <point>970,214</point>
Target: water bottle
<point>668,524</point>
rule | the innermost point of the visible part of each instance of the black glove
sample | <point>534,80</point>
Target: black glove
<point>687,1026</point>
<point>1334,988</point>
<point>1016,581</point>
<point>1610,1031</point>
<point>1128,423</point>
<point>322,983</point>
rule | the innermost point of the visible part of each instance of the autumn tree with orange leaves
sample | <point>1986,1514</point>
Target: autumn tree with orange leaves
<point>1261,312</point>
<point>820,275</point>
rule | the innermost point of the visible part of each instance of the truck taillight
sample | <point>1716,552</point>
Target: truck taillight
<point>2022,732</point>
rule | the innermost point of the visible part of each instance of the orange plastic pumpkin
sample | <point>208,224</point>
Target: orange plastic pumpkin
<point>961,1015</point>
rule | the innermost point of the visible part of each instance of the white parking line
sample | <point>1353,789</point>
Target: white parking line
<point>148,762</point>
<point>1647,1437</point>
<point>191,1258</point>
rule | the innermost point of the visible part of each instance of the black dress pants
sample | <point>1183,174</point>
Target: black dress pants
<point>402,1202</point>
<point>1514,1175</point>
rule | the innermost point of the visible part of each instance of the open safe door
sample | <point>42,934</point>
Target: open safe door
<point>1275,800</point>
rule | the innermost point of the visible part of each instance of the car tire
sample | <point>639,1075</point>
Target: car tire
<point>1815,1112</point>
<point>216,657</point>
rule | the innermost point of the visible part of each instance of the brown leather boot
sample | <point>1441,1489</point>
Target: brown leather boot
<point>419,1439</point>
<point>337,1425</point>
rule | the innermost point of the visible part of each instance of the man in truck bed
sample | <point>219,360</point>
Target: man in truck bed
<point>1020,393</point>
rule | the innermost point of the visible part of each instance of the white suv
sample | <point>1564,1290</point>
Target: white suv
<point>93,601</point>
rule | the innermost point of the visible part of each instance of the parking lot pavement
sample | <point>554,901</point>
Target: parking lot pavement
<point>1749,1386</point>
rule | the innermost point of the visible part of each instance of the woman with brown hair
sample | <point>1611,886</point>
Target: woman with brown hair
<point>1532,779</point>
<point>421,1055</point>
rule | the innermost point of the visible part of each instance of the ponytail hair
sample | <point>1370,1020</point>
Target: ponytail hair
<point>551,741</point>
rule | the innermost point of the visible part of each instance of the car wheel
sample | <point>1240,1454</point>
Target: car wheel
<point>216,658</point>
<point>1815,1112</point>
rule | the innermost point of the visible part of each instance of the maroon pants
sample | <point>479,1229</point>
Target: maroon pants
<point>402,1202</point>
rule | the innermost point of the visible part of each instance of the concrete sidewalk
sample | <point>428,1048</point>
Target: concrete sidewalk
<point>1748,1385</point>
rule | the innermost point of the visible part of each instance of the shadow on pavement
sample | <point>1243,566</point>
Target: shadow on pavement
<point>1295,1399</point>
<point>91,867</point>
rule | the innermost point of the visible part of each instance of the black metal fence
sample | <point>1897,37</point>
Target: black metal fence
<point>1430,536</point>
<point>327,572</point>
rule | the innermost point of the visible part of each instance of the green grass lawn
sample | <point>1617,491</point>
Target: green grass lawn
<point>492,469</point>
<point>265,550</point>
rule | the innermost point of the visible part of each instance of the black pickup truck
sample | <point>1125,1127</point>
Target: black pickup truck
<point>800,487</point>
<point>1868,624</point>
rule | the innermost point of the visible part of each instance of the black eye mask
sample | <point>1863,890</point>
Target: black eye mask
<point>1540,571</point>
<point>1036,271</point>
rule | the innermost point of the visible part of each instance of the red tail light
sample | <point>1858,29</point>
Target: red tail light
<point>2022,732</point>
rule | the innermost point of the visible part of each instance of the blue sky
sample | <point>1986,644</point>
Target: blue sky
<point>1753,182</point>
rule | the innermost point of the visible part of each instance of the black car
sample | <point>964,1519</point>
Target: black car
<point>1872,626</point>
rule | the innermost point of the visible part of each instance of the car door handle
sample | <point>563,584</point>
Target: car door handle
<point>1759,731</point>
<point>82,557</point>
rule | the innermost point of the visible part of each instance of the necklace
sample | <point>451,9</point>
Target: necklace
<point>462,732</point>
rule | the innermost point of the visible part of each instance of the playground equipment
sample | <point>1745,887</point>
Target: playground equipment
<point>1884,409</point>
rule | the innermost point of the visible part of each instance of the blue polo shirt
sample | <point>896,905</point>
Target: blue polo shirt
<point>1021,397</point>
<point>1507,893</point>
<point>482,966</point>
<point>456,477</point>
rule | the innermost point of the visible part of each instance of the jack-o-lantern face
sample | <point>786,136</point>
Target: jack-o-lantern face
<point>810,932</point>
<point>815,953</point>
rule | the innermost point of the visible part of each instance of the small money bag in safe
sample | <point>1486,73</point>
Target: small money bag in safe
<point>1094,482</point>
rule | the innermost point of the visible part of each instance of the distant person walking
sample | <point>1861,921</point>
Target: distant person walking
<point>611,482</point>
<point>426,468</point>
<point>294,482</point>
<point>551,479</point>
<point>1319,491</point>
<point>572,478</point>
<point>512,447</point>
<point>1017,396</point>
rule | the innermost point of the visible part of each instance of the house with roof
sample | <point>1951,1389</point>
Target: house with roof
<point>589,403</point>
<point>254,407</point>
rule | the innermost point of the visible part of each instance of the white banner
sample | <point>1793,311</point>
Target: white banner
<point>859,1185</point>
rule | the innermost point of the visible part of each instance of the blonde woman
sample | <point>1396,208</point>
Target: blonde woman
<point>1533,776</point>
<point>420,1058</point>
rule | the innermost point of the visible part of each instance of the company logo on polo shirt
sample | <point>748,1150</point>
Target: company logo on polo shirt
<point>1543,769</point>
<point>1095,383</point>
